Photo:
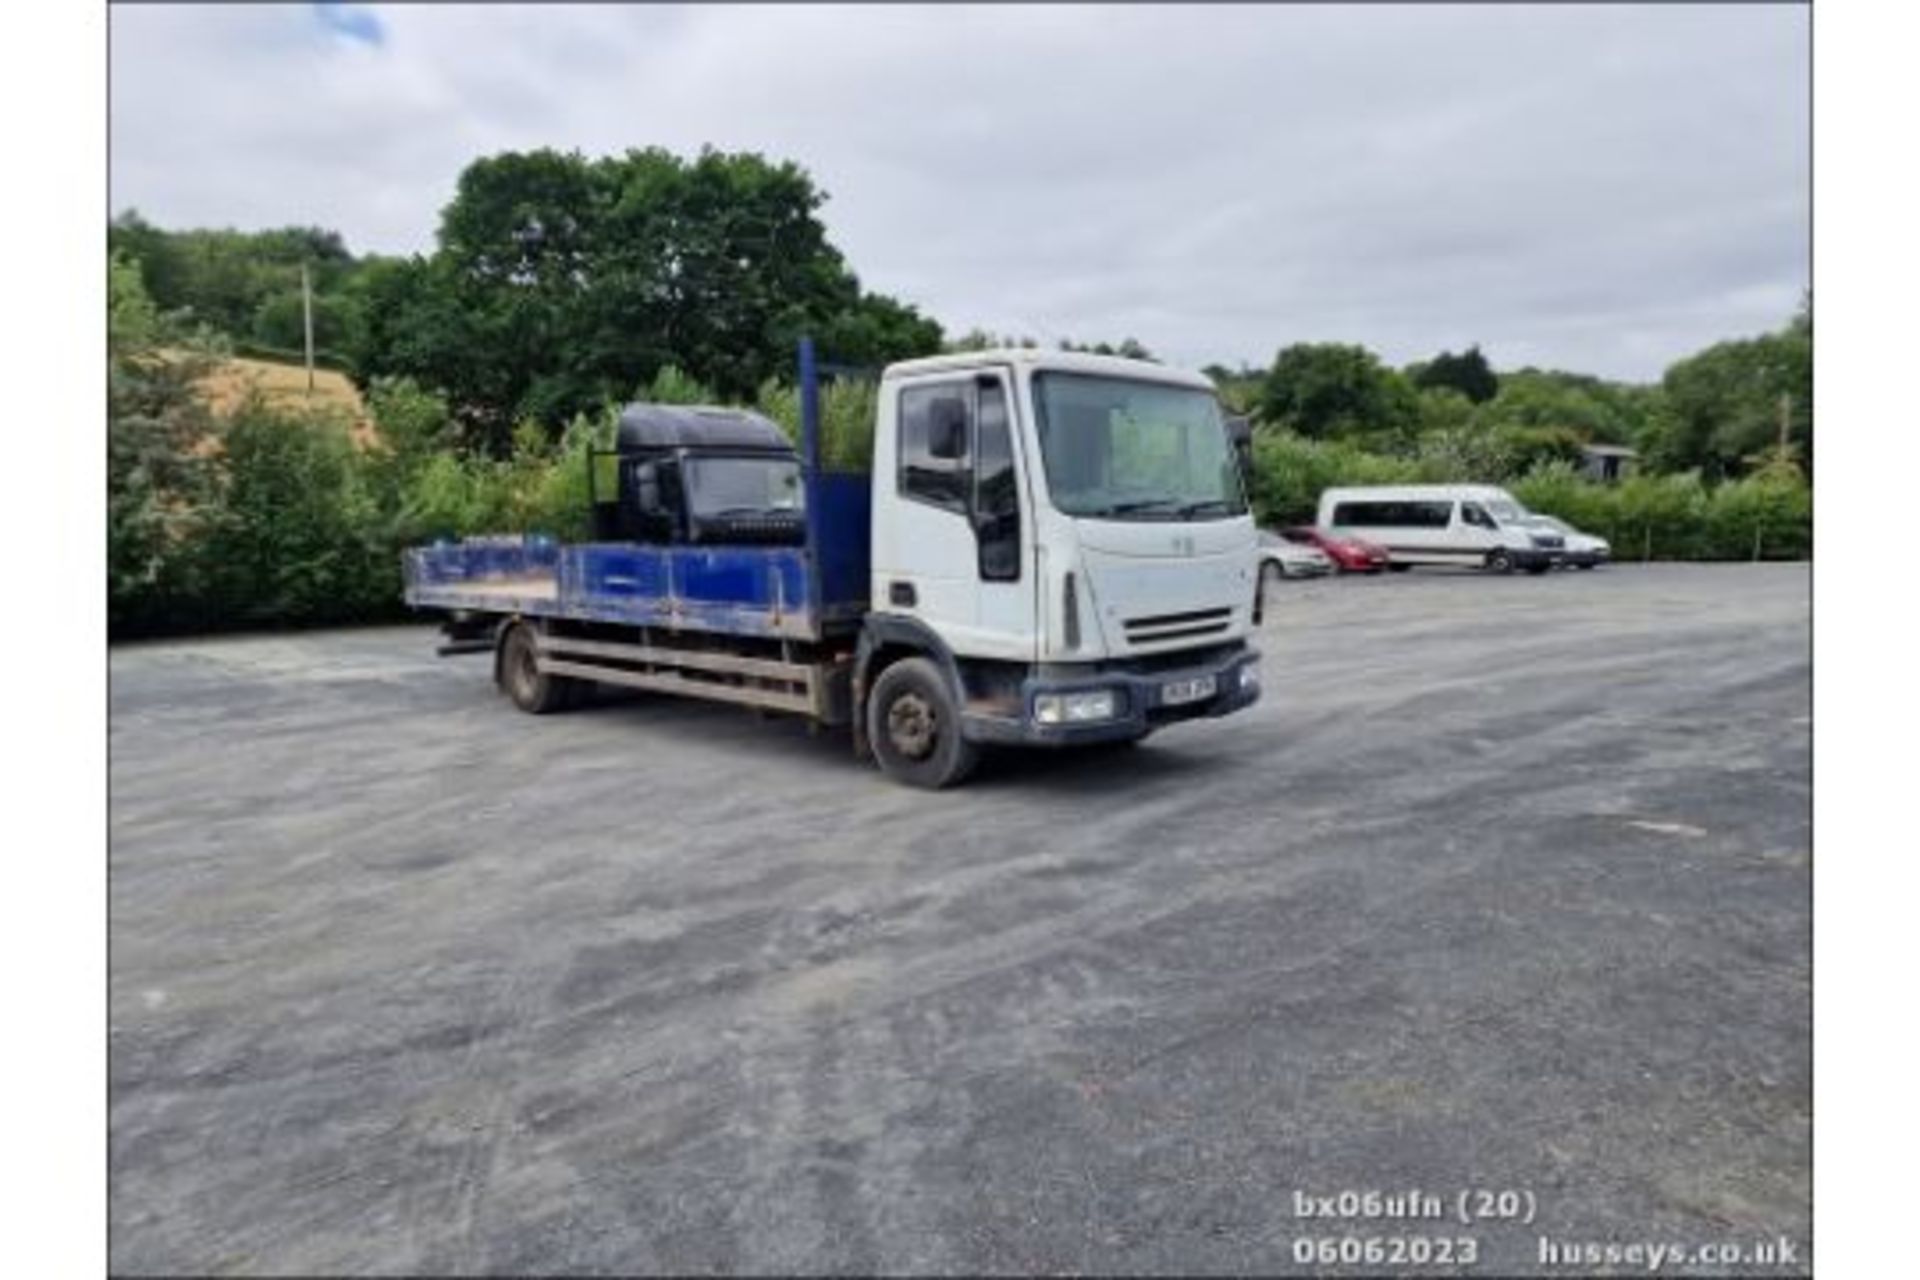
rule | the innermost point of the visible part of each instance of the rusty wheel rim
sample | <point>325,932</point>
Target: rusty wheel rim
<point>912,726</point>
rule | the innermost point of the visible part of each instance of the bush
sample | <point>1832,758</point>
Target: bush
<point>1556,489</point>
<point>292,537</point>
<point>847,409</point>
<point>1289,472</point>
<point>1760,518</point>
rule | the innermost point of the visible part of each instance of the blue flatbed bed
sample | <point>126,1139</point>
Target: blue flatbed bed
<point>812,592</point>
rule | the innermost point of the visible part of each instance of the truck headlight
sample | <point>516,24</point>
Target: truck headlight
<point>1250,675</point>
<point>1075,708</point>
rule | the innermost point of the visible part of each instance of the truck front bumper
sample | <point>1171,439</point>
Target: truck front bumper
<point>1143,702</point>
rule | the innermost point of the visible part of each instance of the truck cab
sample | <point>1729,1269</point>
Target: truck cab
<point>1064,539</point>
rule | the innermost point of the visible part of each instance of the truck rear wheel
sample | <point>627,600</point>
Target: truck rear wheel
<point>914,727</point>
<point>532,690</point>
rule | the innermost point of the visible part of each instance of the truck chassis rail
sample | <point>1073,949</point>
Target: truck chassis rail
<point>816,689</point>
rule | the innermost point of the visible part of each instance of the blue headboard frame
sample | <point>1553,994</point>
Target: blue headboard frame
<point>839,512</point>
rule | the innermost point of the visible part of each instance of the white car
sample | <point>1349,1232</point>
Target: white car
<point>1583,550</point>
<point>1280,558</point>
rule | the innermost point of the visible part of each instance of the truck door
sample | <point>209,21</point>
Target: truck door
<point>957,557</point>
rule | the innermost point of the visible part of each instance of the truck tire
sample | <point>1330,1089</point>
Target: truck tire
<point>520,676</point>
<point>913,726</point>
<point>1498,561</point>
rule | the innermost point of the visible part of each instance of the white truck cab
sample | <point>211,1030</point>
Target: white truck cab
<point>1064,538</point>
<point>1460,524</point>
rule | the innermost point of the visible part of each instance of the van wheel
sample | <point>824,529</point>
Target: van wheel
<point>1498,561</point>
<point>914,727</point>
<point>1398,566</point>
<point>532,690</point>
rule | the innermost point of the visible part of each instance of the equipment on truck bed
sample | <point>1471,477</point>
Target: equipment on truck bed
<point>700,475</point>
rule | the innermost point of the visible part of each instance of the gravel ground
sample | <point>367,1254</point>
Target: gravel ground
<point>1505,884</point>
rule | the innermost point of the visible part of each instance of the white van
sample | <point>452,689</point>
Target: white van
<point>1463,524</point>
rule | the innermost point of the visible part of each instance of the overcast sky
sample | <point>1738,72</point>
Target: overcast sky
<point>1603,189</point>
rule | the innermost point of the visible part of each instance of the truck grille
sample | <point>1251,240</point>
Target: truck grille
<point>1178,626</point>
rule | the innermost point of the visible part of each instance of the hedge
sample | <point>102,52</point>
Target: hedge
<point>1766,516</point>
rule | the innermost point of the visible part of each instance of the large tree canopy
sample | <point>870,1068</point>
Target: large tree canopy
<point>1468,373</point>
<point>561,281</point>
<point>1323,389</point>
<point>1723,405</point>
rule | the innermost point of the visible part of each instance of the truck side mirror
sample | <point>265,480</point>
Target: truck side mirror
<point>947,429</point>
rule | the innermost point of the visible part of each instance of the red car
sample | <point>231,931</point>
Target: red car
<point>1352,555</point>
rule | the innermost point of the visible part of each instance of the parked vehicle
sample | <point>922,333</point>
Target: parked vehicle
<point>1476,525</point>
<point>1052,548</point>
<point>1282,558</point>
<point>1349,555</point>
<point>1582,550</point>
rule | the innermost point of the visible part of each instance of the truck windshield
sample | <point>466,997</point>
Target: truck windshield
<point>719,485</point>
<point>1122,449</point>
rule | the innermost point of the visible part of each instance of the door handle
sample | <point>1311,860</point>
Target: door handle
<point>902,594</point>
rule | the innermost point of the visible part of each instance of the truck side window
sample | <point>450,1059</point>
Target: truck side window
<point>996,493</point>
<point>931,469</point>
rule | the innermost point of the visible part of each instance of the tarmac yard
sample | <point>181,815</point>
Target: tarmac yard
<point>1504,886</point>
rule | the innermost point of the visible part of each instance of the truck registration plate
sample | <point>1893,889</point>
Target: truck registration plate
<point>1175,692</point>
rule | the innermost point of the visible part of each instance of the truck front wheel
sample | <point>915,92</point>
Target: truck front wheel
<point>532,690</point>
<point>914,727</point>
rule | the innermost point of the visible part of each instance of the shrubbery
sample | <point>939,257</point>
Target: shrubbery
<point>1673,517</point>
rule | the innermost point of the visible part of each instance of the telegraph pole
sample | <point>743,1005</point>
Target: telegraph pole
<point>306,317</point>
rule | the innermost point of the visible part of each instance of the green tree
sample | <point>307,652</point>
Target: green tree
<point>294,535</point>
<point>1723,406</point>
<point>159,480</point>
<point>1130,348</point>
<point>1590,408</point>
<point>560,282</point>
<point>1327,389</point>
<point>1468,373</point>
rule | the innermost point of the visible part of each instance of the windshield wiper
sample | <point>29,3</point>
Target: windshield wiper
<point>1195,508</point>
<point>1138,504</point>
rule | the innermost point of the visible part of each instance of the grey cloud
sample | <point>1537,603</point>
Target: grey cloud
<point>1601,188</point>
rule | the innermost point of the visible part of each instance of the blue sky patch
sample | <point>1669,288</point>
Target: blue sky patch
<point>352,21</point>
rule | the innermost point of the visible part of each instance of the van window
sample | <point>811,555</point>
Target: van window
<point>1394,515</point>
<point>1472,514</point>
